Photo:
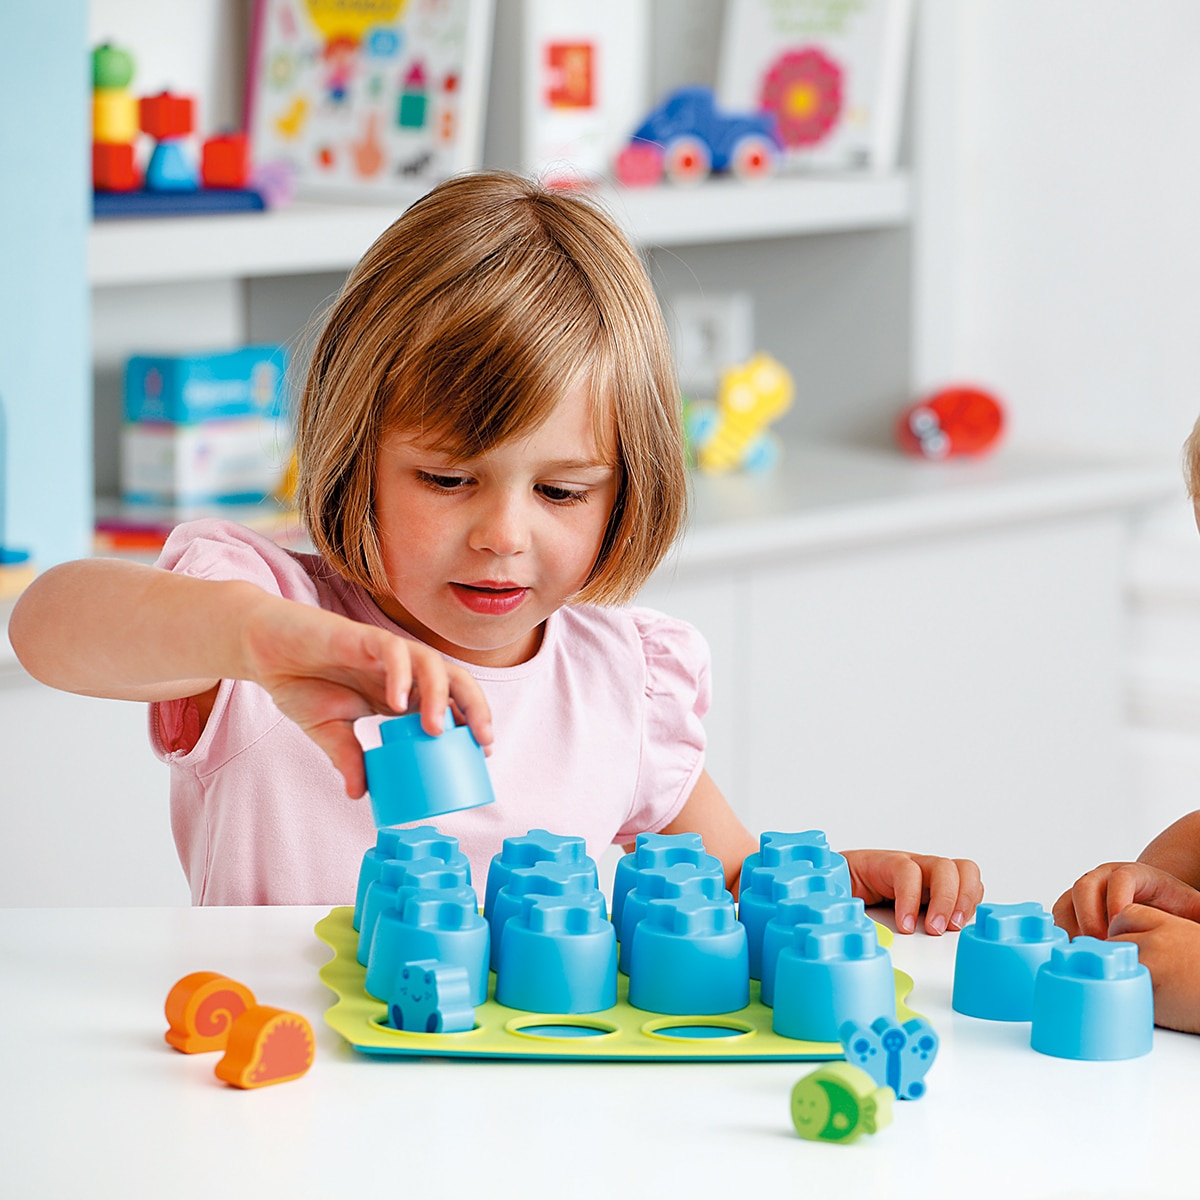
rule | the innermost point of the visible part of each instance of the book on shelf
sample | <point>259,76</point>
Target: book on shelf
<point>834,75</point>
<point>141,530</point>
<point>376,100</point>
<point>579,90</point>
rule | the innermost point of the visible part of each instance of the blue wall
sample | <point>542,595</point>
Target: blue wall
<point>45,198</point>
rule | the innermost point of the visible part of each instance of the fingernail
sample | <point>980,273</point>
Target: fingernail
<point>402,702</point>
<point>908,923</point>
<point>958,920</point>
<point>938,924</point>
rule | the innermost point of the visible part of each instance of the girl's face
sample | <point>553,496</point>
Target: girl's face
<point>479,553</point>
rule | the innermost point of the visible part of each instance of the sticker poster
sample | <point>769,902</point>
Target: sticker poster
<point>832,72</point>
<point>368,97</point>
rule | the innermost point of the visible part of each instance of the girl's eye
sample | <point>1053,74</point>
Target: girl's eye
<point>446,483</point>
<point>561,495</point>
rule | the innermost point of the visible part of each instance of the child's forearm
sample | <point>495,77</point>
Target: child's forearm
<point>1177,850</point>
<point>103,627</point>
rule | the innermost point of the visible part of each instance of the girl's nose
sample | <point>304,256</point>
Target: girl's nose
<point>500,526</point>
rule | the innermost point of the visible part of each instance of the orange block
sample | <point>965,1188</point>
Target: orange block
<point>166,115</point>
<point>202,1009</point>
<point>267,1045</point>
<point>225,161</point>
<point>114,168</point>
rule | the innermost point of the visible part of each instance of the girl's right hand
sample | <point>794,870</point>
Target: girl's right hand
<point>325,671</point>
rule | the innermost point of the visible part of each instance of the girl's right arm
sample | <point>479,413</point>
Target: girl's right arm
<point>104,627</point>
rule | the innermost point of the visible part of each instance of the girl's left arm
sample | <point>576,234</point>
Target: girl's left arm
<point>949,887</point>
<point>707,813</point>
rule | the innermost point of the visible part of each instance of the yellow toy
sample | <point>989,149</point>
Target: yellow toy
<point>733,434</point>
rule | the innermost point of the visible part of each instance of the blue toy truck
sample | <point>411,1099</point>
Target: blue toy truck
<point>685,138</point>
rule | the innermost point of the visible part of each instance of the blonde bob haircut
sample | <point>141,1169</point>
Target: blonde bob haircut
<point>1191,463</point>
<point>465,323</point>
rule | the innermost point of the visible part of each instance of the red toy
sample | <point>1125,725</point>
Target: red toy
<point>225,161</point>
<point>955,421</point>
<point>167,115</point>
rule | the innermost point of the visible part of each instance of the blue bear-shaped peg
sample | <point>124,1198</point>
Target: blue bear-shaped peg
<point>894,1055</point>
<point>432,997</point>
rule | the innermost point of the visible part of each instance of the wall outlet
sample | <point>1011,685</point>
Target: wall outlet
<point>710,333</point>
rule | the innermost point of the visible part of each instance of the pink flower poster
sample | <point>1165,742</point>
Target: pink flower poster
<point>832,72</point>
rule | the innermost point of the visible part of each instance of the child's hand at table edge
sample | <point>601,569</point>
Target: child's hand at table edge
<point>950,887</point>
<point>325,671</point>
<point>1098,897</point>
<point>1169,948</point>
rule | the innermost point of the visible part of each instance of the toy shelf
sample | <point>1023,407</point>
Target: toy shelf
<point>310,237</point>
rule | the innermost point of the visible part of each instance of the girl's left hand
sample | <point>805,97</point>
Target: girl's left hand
<point>950,887</point>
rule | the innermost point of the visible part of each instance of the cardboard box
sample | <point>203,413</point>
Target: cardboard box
<point>190,388</point>
<point>239,461</point>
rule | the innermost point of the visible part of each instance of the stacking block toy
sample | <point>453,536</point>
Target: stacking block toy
<point>398,880</point>
<point>839,1103</point>
<point>431,997</point>
<point>443,924</point>
<point>819,908</point>
<point>542,879</point>
<point>690,957</point>
<point>998,957</point>
<point>764,887</point>
<point>654,850</point>
<point>894,1055</point>
<point>811,846</point>
<point>266,1045</point>
<point>829,975</point>
<point>1093,1000</point>
<point>407,846</point>
<point>201,1009</point>
<point>665,883</point>
<point>558,955</point>
<point>537,846</point>
<point>414,776</point>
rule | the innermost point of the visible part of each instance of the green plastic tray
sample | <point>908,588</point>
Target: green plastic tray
<point>618,1033</point>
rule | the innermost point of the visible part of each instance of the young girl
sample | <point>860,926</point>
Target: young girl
<point>1153,902</point>
<point>490,464</point>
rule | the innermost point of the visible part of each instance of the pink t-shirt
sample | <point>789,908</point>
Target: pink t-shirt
<point>599,735</point>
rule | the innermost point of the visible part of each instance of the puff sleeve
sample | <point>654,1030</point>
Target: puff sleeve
<point>676,698</point>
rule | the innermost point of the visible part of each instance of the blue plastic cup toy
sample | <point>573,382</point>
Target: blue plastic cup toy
<point>443,925</point>
<point>665,883</point>
<point>763,888</point>
<point>397,880</point>
<point>829,975</point>
<point>819,909</point>
<point>536,846</point>
<point>998,958</point>
<point>1093,1000</point>
<point>542,879</point>
<point>558,955</point>
<point>810,846</point>
<point>689,958</point>
<point>413,775</point>
<point>405,845</point>
<point>653,850</point>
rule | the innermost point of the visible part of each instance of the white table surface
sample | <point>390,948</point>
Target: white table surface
<point>96,1104</point>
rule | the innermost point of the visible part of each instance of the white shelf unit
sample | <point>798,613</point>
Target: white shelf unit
<point>310,237</point>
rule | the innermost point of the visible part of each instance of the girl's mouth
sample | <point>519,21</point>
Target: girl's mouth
<point>490,598</point>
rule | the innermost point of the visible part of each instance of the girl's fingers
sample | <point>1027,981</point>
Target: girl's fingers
<point>907,884</point>
<point>943,884</point>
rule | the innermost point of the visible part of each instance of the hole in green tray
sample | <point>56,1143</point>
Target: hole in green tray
<point>697,1031</point>
<point>561,1029</point>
